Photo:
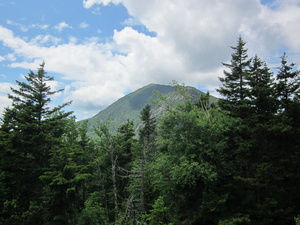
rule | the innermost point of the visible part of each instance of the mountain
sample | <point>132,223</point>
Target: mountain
<point>130,106</point>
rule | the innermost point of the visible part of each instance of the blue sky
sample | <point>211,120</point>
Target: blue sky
<point>99,50</point>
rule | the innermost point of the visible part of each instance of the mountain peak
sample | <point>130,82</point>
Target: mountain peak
<point>130,106</point>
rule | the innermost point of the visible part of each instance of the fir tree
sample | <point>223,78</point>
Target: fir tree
<point>147,131</point>
<point>234,84</point>
<point>288,84</point>
<point>30,129</point>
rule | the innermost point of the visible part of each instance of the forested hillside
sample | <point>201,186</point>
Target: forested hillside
<point>130,106</point>
<point>234,162</point>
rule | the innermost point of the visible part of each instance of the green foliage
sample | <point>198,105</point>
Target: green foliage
<point>288,83</point>
<point>189,163</point>
<point>159,213</point>
<point>266,157</point>
<point>127,108</point>
<point>234,85</point>
<point>193,162</point>
<point>187,172</point>
<point>237,219</point>
<point>30,130</point>
<point>93,213</point>
<point>297,220</point>
<point>147,132</point>
<point>130,106</point>
<point>66,177</point>
<point>262,93</point>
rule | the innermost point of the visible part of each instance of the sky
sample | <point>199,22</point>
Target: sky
<point>100,50</point>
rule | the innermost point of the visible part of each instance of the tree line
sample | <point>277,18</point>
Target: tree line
<point>234,162</point>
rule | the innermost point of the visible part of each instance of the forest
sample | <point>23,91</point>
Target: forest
<point>236,161</point>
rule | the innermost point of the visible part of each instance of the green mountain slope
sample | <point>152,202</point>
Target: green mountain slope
<point>130,106</point>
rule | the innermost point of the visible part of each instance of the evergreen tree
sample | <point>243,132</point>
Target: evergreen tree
<point>257,136</point>
<point>147,131</point>
<point>113,163</point>
<point>30,129</point>
<point>288,84</point>
<point>234,84</point>
<point>126,143</point>
<point>285,151</point>
<point>266,153</point>
<point>66,177</point>
<point>262,91</point>
<point>147,134</point>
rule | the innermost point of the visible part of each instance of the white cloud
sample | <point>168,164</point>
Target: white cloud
<point>40,26</point>
<point>10,57</point>
<point>62,25</point>
<point>97,99</point>
<point>45,39</point>
<point>55,86</point>
<point>20,26</point>
<point>4,100</point>
<point>285,17</point>
<point>199,31</point>
<point>73,40</point>
<point>198,28</point>
<point>25,28</point>
<point>192,39</point>
<point>89,3</point>
<point>4,103</point>
<point>131,22</point>
<point>84,25</point>
<point>5,87</point>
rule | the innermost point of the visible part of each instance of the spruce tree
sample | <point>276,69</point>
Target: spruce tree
<point>66,178</point>
<point>147,131</point>
<point>234,84</point>
<point>262,89</point>
<point>266,155</point>
<point>30,129</point>
<point>285,152</point>
<point>288,84</point>
<point>235,89</point>
<point>107,147</point>
<point>262,108</point>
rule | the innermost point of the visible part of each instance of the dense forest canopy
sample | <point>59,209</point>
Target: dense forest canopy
<point>234,162</point>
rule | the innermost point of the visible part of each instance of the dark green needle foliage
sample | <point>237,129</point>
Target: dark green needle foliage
<point>267,175</point>
<point>29,130</point>
<point>234,85</point>
<point>198,162</point>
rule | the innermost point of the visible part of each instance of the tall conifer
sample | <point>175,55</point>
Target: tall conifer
<point>30,128</point>
<point>234,85</point>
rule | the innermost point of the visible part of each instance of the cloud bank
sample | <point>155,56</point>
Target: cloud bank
<point>191,40</point>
